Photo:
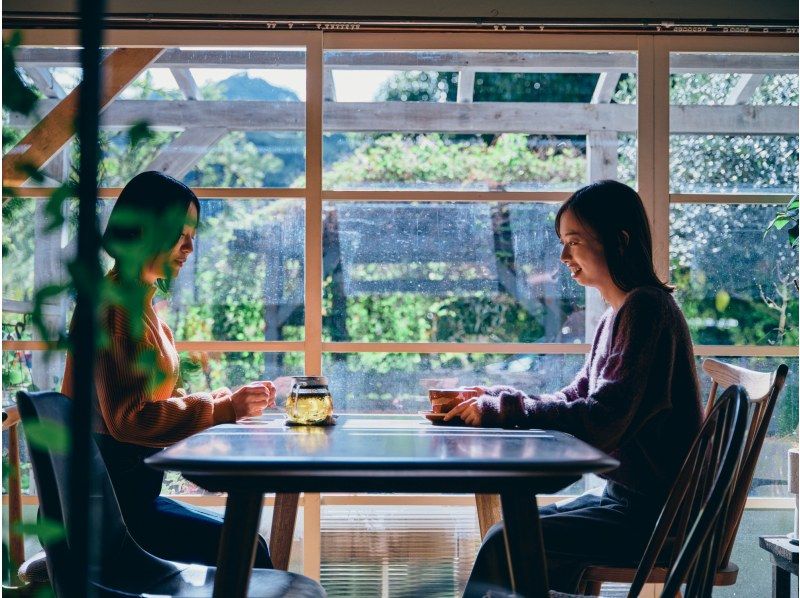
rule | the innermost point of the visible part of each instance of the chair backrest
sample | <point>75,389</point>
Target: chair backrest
<point>698,504</point>
<point>118,554</point>
<point>763,388</point>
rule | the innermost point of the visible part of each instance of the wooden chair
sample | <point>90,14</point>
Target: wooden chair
<point>125,569</point>
<point>699,503</point>
<point>763,389</point>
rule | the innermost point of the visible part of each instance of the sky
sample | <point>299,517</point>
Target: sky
<point>351,86</point>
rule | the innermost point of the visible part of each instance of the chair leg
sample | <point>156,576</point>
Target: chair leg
<point>592,588</point>
<point>284,516</point>
<point>16,542</point>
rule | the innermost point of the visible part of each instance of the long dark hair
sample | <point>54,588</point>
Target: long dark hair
<point>615,214</point>
<point>147,219</point>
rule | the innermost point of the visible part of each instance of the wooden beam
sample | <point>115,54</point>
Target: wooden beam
<point>58,167</point>
<point>328,87</point>
<point>466,91</point>
<point>522,61</point>
<point>177,158</point>
<point>420,117</point>
<point>51,133</point>
<point>744,89</point>
<point>602,151</point>
<point>605,87</point>
<point>45,82</point>
<point>186,83</point>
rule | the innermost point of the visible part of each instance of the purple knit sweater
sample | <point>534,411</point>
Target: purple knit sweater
<point>636,396</point>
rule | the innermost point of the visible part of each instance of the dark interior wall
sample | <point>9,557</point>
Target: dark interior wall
<point>646,11</point>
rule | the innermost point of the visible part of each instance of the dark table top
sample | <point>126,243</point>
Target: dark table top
<point>376,452</point>
<point>780,546</point>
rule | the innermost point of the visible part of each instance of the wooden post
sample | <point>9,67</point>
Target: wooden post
<point>489,511</point>
<point>15,539</point>
<point>284,515</point>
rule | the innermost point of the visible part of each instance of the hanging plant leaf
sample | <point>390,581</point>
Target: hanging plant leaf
<point>47,530</point>
<point>17,96</point>
<point>139,132</point>
<point>47,434</point>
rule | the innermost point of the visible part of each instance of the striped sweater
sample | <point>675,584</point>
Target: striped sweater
<point>129,408</point>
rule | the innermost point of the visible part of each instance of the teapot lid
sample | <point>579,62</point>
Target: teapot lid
<point>311,380</point>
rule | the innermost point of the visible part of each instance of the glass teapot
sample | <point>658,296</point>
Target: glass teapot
<point>309,402</point>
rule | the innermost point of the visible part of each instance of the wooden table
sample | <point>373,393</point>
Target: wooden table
<point>784,563</point>
<point>380,453</point>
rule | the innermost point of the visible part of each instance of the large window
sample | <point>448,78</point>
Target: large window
<point>382,213</point>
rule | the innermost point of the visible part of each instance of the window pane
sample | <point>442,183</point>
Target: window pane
<point>733,123</point>
<point>224,117</point>
<point>754,564</point>
<point>244,280</point>
<point>445,271</point>
<point>207,370</point>
<point>771,471</point>
<point>478,120</point>
<point>735,285</point>
<point>398,382</point>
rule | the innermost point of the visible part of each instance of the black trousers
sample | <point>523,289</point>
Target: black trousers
<point>608,529</point>
<point>162,526</point>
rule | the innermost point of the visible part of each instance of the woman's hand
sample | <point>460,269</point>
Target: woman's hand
<point>251,399</point>
<point>468,410</point>
<point>468,392</point>
<point>221,393</point>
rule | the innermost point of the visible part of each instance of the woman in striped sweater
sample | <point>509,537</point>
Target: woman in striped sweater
<point>139,408</point>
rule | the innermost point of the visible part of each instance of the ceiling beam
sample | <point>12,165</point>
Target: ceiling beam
<point>466,86</point>
<point>45,82</point>
<point>186,150</point>
<point>515,62</point>
<point>419,117</point>
<point>186,83</point>
<point>53,131</point>
<point>605,87</point>
<point>744,89</point>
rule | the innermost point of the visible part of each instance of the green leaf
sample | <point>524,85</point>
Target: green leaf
<point>39,299</point>
<point>47,434</point>
<point>47,530</point>
<point>17,96</point>
<point>31,171</point>
<point>139,132</point>
<point>779,222</point>
<point>52,207</point>
<point>722,300</point>
<point>793,234</point>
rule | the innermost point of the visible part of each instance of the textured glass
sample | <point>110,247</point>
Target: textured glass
<point>478,120</point>
<point>398,382</point>
<point>736,283</point>
<point>244,280</point>
<point>733,123</point>
<point>444,271</point>
<point>771,474</point>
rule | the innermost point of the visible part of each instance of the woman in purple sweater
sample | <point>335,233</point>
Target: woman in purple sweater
<point>636,396</point>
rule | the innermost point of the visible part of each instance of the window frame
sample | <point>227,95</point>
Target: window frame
<point>653,58</point>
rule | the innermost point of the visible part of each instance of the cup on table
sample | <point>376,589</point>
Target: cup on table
<point>445,399</point>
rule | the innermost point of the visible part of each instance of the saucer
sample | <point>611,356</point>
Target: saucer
<point>437,419</point>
